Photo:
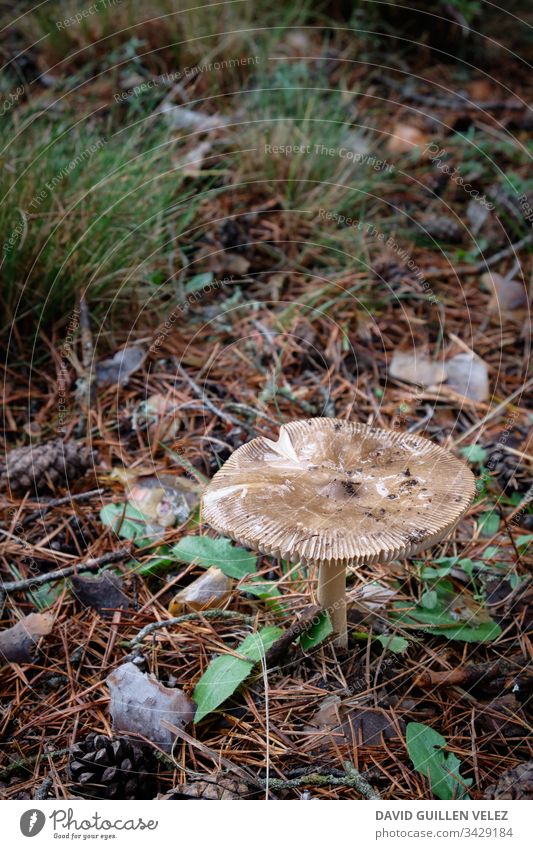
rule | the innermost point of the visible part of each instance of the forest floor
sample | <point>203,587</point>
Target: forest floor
<point>331,238</point>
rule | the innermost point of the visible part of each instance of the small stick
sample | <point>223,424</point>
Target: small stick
<point>234,422</point>
<point>90,565</point>
<point>188,617</point>
<point>282,645</point>
<point>57,502</point>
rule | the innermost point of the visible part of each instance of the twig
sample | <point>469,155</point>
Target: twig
<point>209,404</point>
<point>90,565</point>
<point>42,791</point>
<point>510,251</point>
<point>352,778</point>
<point>57,502</point>
<point>281,646</point>
<point>187,617</point>
<point>23,763</point>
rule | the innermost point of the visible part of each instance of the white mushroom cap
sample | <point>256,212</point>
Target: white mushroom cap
<point>335,492</point>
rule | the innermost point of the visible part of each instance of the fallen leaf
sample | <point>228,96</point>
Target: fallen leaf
<point>476,213</point>
<point>117,369</point>
<point>159,415</point>
<point>191,164</point>
<point>103,594</point>
<point>18,643</point>
<point>181,118</point>
<point>139,702</point>
<point>160,501</point>
<point>508,294</point>
<point>502,716</point>
<point>344,725</point>
<point>209,590</point>
<point>468,376</point>
<point>415,367</point>
<point>406,138</point>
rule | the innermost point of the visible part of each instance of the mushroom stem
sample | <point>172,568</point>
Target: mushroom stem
<point>332,597</point>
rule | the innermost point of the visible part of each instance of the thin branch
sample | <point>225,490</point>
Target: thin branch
<point>187,617</point>
<point>90,565</point>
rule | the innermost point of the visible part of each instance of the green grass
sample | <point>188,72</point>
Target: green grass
<point>84,210</point>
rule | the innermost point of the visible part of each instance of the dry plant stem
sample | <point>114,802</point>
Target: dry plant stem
<point>332,597</point>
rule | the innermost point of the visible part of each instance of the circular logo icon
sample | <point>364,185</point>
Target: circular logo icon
<point>32,822</point>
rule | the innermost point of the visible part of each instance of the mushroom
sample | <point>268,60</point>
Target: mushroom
<point>337,494</point>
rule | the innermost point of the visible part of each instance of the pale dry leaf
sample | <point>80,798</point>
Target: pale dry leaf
<point>467,375</point>
<point>416,367</point>
<point>405,139</point>
<point>508,294</point>
<point>192,162</point>
<point>162,499</point>
<point>18,643</point>
<point>118,368</point>
<point>211,589</point>
<point>139,703</point>
<point>182,118</point>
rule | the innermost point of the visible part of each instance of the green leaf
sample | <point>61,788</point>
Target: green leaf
<point>474,453</point>
<point>318,632</point>
<point>524,539</point>
<point>220,680</point>
<point>227,672</point>
<point>155,565</point>
<point>127,521</point>
<point>234,562</point>
<point>198,282</point>
<point>426,750</point>
<point>429,600</point>
<point>488,523</point>
<point>442,623</point>
<point>257,645</point>
<point>397,645</point>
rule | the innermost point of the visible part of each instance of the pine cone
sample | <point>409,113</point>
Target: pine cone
<point>101,767</point>
<point>442,228</point>
<point>394,273</point>
<point>516,783</point>
<point>513,474</point>
<point>43,466</point>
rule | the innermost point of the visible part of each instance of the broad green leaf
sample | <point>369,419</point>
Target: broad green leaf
<point>220,680</point>
<point>397,645</point>
<point>489,523</point>
<point>524,539</point>
<point>426,750</point>
<point>429,600</point>
<point>197,282</point>
<point>317,633</point>
<point>234,562</point>
<point>442,623</point>
<point>474,453</point>
<point>156,565</point>
<point>127,521</point>
<point>257,645</point>
<point>227,672</point>
<point>265,590</point>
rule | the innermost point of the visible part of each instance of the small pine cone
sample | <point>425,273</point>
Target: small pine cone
<point>103,767</point>
<point>442,228</point>
<point>516,783</point>
<point>41,467</point>
<point>394,273</point>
